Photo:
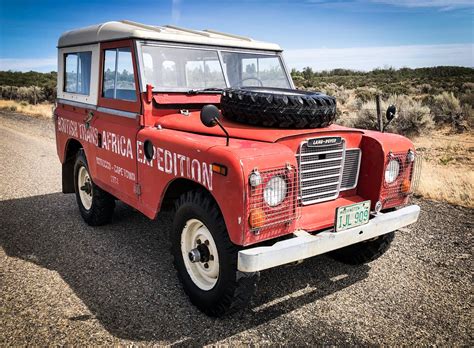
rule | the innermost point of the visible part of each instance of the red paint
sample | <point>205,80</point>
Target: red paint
<point>185,149</point>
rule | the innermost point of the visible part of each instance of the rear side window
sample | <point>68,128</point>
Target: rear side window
<point>119,81</point>
<point>77,72</point>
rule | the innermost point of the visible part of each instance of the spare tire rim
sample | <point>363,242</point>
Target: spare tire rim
<point>84,184</point>
<point>196,238</point>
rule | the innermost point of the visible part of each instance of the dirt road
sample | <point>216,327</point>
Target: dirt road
<point>63,282</point>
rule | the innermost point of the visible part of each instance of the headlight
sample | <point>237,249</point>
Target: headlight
<point>392,171</point>
<point>275,191</point>
<point>255,179</point>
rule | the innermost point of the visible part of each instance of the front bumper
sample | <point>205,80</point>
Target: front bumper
<point>304,245</point>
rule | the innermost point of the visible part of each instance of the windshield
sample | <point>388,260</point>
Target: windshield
<point>183,69</point>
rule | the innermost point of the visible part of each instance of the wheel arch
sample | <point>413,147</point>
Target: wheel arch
<point>177,187</point>
<point>71,149</point>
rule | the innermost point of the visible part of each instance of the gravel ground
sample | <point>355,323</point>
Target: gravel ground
<point>63,282</point>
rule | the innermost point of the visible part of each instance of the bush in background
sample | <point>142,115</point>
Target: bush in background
<point>412,117</point>
<point>31,94</point>
<point>447,109</point>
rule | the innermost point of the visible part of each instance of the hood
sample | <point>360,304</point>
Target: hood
<point>192,123</point>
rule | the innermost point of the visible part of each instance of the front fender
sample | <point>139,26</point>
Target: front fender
<point>190,156</point>
<point>376,147</point>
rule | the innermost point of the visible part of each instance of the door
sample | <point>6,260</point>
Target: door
<point>117,120</point>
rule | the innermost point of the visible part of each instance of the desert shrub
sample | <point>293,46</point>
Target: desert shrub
<point>467,98</point>
<point>468,112</point>
<point>365,117</point>
<point>365,94</point>
<point>298,80</point>
<point>343,95</point>
<point>468,86</point>
<point>424,88</point>
<point>413,118</point>
<point>340,92</point>
<point>31,94</point>
<point>446,109</point>
<point>23,103</point>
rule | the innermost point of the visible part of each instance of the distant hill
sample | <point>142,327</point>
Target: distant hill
<point>420,83</point>
<point>390,81</point>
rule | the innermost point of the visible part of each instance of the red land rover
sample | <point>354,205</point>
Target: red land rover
<point>210,125</point>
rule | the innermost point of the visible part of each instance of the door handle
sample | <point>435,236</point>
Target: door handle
<point>88,119</point>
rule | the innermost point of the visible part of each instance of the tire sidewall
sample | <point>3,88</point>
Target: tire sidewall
<point>82,162</point>
<point>227,261</point>
<point>278,107</point>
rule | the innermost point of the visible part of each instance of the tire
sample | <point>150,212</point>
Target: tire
<point>218,289</point>
<point>95,205</point>
<point>364,252</point>
<point>278,107</point>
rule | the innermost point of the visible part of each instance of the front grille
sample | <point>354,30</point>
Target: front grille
<point>350,174</point>
<point>320,171</point>
<point>324,171</point>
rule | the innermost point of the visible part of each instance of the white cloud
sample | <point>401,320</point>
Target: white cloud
<point>444,4</point>
<point>368,58</point>
<point>27,64</point>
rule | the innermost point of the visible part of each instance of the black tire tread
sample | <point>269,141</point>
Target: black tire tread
<point>238,291</point>
<point>294,109</point>
<point>364,252</point>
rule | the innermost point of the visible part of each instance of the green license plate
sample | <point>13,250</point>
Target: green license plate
<point>352,216</point>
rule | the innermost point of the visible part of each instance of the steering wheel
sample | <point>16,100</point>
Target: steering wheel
<point>241,82</point>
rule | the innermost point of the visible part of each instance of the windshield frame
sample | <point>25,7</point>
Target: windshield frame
<point>217,49</point>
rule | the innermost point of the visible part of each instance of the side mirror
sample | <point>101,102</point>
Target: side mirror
<point>391,111</point>
<point>210,115</point>
<point>210,118</point>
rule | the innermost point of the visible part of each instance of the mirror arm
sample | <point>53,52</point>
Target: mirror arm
<point>385,125</point>
<point>224,130</point>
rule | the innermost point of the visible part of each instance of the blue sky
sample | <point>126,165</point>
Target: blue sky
<point>323,34</point>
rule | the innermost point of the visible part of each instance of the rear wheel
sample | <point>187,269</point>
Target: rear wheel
<point>95,205</point>
<point>206,259</point>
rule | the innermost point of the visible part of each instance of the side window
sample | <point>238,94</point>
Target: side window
<point>77,72</point>
<point>118,78</point>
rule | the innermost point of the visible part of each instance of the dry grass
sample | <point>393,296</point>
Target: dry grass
<point>43,110</point>
<point>448,167</point>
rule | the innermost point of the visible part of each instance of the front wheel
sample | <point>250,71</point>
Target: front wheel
<point>206,259</point>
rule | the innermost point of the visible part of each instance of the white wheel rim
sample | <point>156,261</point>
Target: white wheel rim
<point>84,185</point>
<point>193,234</point>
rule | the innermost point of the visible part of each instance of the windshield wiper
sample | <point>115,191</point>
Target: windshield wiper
<point>205,91</point>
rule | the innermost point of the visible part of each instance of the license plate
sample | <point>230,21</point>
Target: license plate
<point>352,216</point>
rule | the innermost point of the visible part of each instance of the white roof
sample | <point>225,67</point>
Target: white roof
<point>128,29</point>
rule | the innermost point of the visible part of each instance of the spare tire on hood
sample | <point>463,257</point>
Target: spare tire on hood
<point>278,107</point>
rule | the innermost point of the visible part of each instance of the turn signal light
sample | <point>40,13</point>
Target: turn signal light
<point>256,218</point>
<point>219,169</point>
<point>405,187</point>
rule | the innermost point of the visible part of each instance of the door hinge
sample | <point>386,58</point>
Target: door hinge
<point>137,189</point>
